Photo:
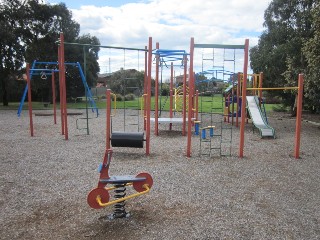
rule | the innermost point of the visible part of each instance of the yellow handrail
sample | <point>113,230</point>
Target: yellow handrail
<point>101,204</point>
<point>142,104</point>
<point>275,88</point>
<point>114,104</point>
<point>209,127</point>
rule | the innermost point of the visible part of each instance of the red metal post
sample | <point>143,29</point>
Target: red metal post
<point>60,88</point>
<point>238,99</point>
<point>104,174</point>
<point>260,86</point>
<point>64,87</point>
<point>171,95</point>
<point>299,116</point>
<point>108,118</point>
<point>244,97</point>
<point>156,95</point>
<point>184,109</point>
<point>54,98</point>
<point>190,98</point>
<point>145,87</point>
<point>29,99</point>
<point>149,96</point>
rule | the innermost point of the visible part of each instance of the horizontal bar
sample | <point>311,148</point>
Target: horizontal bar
<point>276,88</point>
<point>39,74</point>
<point>103,46</point>
<point>170,54</point>
<point>54,63</point>
<point>43,70</point>
<point>224,46</point>
<point>169,50</point>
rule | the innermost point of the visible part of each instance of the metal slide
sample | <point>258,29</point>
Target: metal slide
<point>257,117</point>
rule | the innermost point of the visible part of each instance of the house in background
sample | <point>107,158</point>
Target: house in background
<point>102,79</point>
<point>179,79</point>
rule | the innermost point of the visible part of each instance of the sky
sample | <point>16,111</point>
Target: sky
<point>172,23</point>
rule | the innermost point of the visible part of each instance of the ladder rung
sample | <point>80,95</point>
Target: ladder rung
<point>205,154</point>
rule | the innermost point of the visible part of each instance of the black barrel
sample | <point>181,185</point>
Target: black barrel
<point>127,139</point>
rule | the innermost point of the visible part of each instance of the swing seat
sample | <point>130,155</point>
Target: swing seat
<point>127,139</point>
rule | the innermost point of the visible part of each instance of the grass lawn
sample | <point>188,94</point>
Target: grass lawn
<point>206,104</point>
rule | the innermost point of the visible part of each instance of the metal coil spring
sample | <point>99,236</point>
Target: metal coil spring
<point>119,208</point>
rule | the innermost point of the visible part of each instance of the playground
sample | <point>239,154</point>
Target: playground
<point>267,194</point>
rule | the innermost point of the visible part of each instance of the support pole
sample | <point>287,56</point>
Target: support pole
<point>171,95</point>
<point>148,97</point>
<point>54,98</point>
<point>244,96</point>
<point>85,89</point>
<point>145,86</point>
<point>60,88</point>
<point>260,86</point>
<point>190,98</point>
<point>238,99</point>
<point>63,76</point>
<point>29,99</point>
<point>299,116</point>
<point>184,109</point>
<point>156,95</point>
<point>108,119</point>
<point>197,105</point>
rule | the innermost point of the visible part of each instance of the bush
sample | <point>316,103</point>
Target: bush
<point>272,100</point>
<point>280,108</point>
<point>129,97</point>
<point>119,97</point>
<point>165,90</point>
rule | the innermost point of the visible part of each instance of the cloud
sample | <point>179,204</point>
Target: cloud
<point>172,23</point>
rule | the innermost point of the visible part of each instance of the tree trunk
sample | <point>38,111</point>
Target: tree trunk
<point>293,108</point>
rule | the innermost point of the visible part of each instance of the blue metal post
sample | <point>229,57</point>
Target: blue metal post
<point>203,135</point>
<point>211,132</point>
<point>92,102</point>
<point>25,91</point>
<point>196,128</point>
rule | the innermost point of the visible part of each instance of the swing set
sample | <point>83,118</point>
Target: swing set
<point>99,197</point>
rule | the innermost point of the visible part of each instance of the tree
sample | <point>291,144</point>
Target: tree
<point>29,31</point>
<point>90,66</point>
<point>311,52</point>
<point>13,19</point>
<point>126,82</point>
<point>278,53</point>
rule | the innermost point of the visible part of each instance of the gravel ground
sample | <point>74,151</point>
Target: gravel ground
<point>266,195</point>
